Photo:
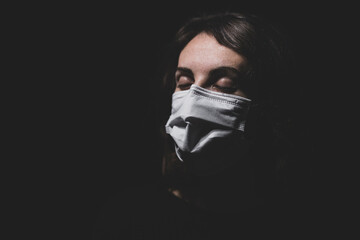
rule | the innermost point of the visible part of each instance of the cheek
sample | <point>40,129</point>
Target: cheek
<point>240,93</point>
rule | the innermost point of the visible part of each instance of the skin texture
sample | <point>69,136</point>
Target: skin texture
<point>208,64</point>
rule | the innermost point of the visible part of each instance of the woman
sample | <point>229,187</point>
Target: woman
<point>238,148</point>
<point>228,89</point>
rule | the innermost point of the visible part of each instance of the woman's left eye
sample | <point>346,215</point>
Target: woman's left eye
<point>224,85</point>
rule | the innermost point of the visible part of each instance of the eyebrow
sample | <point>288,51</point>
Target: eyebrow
<point>185,70</point>
<point>224,70</point>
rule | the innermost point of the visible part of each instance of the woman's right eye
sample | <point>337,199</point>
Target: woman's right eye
<point>184,82</point>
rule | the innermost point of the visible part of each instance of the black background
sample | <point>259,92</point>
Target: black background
<point>92,132</point>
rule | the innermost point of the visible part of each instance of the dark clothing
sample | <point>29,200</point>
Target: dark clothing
<point>151,212</point>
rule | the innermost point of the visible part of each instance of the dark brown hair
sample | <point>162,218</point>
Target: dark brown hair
<point>269,83</point>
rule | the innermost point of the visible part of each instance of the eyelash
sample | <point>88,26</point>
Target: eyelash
<point>188,85</point>
<point>183,86</point>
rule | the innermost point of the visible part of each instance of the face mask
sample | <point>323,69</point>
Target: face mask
<point>207,128</point>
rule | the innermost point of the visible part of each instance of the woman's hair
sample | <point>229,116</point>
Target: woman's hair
<point>269,82</point>
<point>260,43</point>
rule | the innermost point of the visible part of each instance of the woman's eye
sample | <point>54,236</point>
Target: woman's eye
<point>184,82</point>
<point>224,85</point>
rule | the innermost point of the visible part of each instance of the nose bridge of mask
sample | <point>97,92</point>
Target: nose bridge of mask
<point>223,109</point>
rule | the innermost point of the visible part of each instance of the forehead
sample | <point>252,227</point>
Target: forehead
<point>204,51</point>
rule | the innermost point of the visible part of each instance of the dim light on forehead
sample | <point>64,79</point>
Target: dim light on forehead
<point>203,52</point>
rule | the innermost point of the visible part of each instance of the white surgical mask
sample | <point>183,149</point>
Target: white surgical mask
<point>207,128</point>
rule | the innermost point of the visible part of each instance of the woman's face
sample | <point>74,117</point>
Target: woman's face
<point>208,64</point>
